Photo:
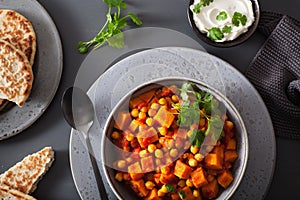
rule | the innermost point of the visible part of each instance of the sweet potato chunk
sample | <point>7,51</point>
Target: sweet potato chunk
<point>213,161</point>
<point>134,124</point>
<point>231,144</point>
<point>182,170</point>
<point>133,103</point>
<point>147,137</point>
<point>123,120</point>
<point>147,164</point>
<point>153,195</point>
<point>147,96</point>
<point>199,177</point>
<point>139,187</point>
<point>164,117</point>
<point>168,178</point>
<point>210,190</point>
<point>225,178</point>
<point>135,171</point>
<point>230,156</point>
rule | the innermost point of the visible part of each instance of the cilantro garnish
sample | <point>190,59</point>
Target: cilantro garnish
<point>215,34</point>
<point>197,138</point>
<point>199,6</point>
<point>238,18</point>
<point>227,29</point>
<point>182,194</point>
<point>190,109</point>
<point>111,32</point>
<point>221,16</point>
<point>170,187</point>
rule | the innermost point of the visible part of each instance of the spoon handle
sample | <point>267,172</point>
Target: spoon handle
<point>98,176</point>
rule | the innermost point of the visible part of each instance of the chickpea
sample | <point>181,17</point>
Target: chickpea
<point>178,143</point>
<point>151,112</point>
<point>164,189</point>
<point>154,106</point>
<point>129,137</point>
<point>160,193</point>
<point>115,135</point>
<point>165,170</point>
<point>199,157</point>
<point>170,143</point>
<point>181,183</point>
<point>149,185</point>
<point>196,193</point>
<point>159,153</point>
<point>163,130</point>
<point>189,183</point>
<point>174,153</point>
<point>144,109</point>
<point>151,148</point>
<point>134,112</point>
<point>143,153</point>
<point>162,101</point>
<point>190,133</point>
<point>121,164</point>
<point>193,162</point>
<point>194,149</point>
<point>142,115</point>
<point>174,98</point>
<point>149,121</point>
<point>157,162</point>
<point>119,177</point>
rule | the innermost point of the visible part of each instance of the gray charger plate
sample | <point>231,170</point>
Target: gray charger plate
<point>262,148</point>
<point>47,68</point>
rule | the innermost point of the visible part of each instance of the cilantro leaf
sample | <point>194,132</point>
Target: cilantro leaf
<point>170,187</point>
<point>112,28</point>
<point>135,19</point>
<point>215,34</point>
<point>188,114</point>
<point>238,18</point>
<point>197,138</point>
<point>182,194</point>
<point>227,29</point>
<point>221,16</point>
<point>199,6</point>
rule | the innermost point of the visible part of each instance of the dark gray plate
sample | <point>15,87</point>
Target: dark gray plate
<point>239,91</point>
<point>47,68</point>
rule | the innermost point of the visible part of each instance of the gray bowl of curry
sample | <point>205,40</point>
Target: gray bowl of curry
<point>174,138</point>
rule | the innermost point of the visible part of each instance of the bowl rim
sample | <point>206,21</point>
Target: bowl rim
<point>177,78</point>
<point>239,40</point>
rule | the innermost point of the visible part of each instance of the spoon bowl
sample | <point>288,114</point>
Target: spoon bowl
<point>78,111</point>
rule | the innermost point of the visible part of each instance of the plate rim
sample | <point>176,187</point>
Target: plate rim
<point>240,75</point>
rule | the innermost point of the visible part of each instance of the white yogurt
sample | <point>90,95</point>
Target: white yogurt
<point>206,18</point>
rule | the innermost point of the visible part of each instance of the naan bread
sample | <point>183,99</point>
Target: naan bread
<point>7,193</point>
<point>25,175</point>
<point>16,75</point>
<point>17,30</point>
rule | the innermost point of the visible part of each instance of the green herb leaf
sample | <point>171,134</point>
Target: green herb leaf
<point>215,34</point>
<point>112,27</point>
<point>197,138</point>
<point>221,16</point>
<point>135,19</point>
<point>182,194</point>
<point>170,187</point>
<point>199,6</point>
<point>227,29</point>
<point>238,18</point>
<point>188,114</point>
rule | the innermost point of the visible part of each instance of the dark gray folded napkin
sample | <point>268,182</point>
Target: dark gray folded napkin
<point>275,72</point>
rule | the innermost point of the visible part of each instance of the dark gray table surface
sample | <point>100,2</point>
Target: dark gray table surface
<point>80,20</point>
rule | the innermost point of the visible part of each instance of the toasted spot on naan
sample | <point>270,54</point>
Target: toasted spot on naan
<point>16,75</point>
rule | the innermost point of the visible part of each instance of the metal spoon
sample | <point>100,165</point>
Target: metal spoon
<point>78,111</point>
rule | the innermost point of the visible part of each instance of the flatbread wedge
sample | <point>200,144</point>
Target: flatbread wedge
<point>7,193</point>
<point>16,76</point>
<point>25,175</point>
<point>18,30</point>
